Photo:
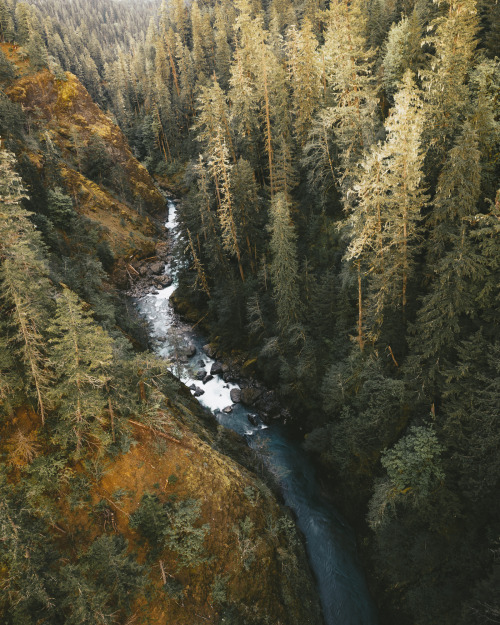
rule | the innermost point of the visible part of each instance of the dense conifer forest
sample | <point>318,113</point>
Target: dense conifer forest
<point>339,166</point>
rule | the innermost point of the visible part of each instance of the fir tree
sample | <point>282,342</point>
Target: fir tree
<point>403,51</point>
<point>24,285</point>
<point>454,39</point>
<point>7,72</point>
<point>457,266</point>
<point>81,354</point>
<point>305,75</point>
<point>283,267</point>
<point>404,182</point>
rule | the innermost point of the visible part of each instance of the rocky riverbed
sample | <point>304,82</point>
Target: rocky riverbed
<point>152,275</point>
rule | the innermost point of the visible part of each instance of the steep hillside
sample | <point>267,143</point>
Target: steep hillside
<point>208,537</point>
<point>93,161</point>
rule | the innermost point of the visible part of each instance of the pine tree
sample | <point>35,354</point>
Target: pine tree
<point>454,40</point>
<point>81,354</point>
<point>214,131</point>
<point>247,211</point>
<point>36,50</point>
<point>7,72</point>
<point>284,268</point>
<point>405,185</point>
<point>199,59</point>
<point>367,224</point>
<point>305,76</point>
<point>384,222</point>
<point>5,21</point>
<point>469,415</point>
<point>186,77</point>
<point>218,162</point>
<point>282,15</point>
<point>213,113</point>
<point>454,259</point>
<point>222,58</point>
<point>23,283</point>
<point>23,22</point>
<point>484,88</point>
<point>403,51</point>
<point>179,20</point>
<point>258,85</point>
<point>351,97</point>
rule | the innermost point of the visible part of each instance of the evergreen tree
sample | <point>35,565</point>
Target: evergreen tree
<point>222,58</point>
<point>351,95</point>
<point>258,85</point>
<point>283,268</point>
<point>248,212</point>
<point>404,183</point>
<point>23,22</point>
<point>457,266</point>
<point>37,51</point>
<point>7,72</point>
<point>5,22</point>
<point>403,51</point>
<point>305,76</point>
<point>385,220</point>
<point>81,354</point>
<point>454,39</point>
<point>198,51</point>
<point>24,285</point>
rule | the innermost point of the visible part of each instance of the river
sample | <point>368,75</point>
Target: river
<point>330,542</point>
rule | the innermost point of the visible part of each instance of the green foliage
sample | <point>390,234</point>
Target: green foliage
<point>283,268</point>
<point>81,354</point>
<point>403,50</point>
<point>413,464</point>
<point>96,161</point>
<point>28,556</point>
<point>247,543</point>
<point>172,526</point>
<point>60,208</point>
<point>7,71</point>
<point>366,406</point>
<point>183,537</point>
<point>11,119</point>
<point>24,286</point>
<point>219,595</point>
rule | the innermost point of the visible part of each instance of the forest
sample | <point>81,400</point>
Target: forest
<point>338,163</point>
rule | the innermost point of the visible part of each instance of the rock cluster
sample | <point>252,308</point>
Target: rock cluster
<point>252,393</point>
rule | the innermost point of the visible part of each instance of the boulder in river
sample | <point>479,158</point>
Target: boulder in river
<point>254,419</point>
<point>201,374</point>
<point>235,395</point>
<point>216,368</point>
<point>250,395</point>
<point>189,350</point>
<point>164,280</point>
<point>207,378</point>
<point>161,248</point>
<point>227,409</point>
<point>209,350</point>
<point>199,392</point>
<point>156,267</point>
